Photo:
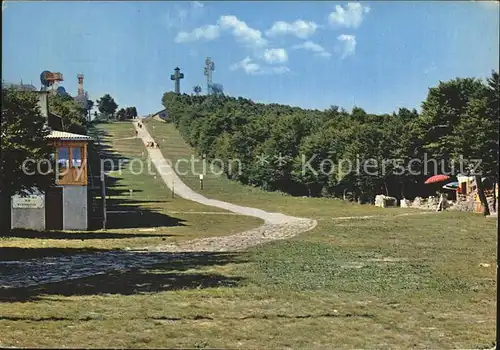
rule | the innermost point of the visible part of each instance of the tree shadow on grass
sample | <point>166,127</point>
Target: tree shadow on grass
<point>169,275</point>
<point>24,233</point>
<point>122,210</point>
<point>15,253</point>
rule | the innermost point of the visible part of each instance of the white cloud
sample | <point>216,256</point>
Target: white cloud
<point>275,56</point>
<point>253,68</point>
<point>197,5</point>
<point>242,32</point>
<point>208,32</point>
<point>349,16</point>
<point>247,65</point>
<point>311,46</point>
<point>348,43</point>
<point>299,28</point>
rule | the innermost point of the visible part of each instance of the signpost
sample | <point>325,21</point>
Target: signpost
<point>201,181</point>
<point>29,202</point>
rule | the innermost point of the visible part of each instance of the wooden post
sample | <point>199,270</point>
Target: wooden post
<point>103,196</point>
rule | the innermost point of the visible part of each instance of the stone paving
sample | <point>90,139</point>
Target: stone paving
<point>26,273</point>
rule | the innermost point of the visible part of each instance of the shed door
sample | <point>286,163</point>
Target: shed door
<point>54,208</point>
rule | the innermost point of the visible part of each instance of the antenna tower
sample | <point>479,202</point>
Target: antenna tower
<point>80,84</point>
<point>209,68</point>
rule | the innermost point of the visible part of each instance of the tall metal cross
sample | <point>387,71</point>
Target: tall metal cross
<point>177,76</point>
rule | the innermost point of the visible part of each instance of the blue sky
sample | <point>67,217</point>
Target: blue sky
<point>377,55</point>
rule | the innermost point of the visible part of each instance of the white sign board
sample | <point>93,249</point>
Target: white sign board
<point>32,201</point>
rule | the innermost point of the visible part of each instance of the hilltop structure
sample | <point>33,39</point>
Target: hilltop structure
<point>177,76</point>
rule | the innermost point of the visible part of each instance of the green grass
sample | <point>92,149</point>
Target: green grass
<point>330,288</point>
<point>392,281</point>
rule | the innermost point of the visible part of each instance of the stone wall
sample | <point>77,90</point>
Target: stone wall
<point>430,203</point>
<point>468,204</point>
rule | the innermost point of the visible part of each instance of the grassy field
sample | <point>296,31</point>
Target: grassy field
<point>425,281</point>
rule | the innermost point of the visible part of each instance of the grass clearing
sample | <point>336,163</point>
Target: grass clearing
<point>392,281</point>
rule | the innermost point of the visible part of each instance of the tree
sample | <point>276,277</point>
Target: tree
<point>126,113</point>
<point>121,114</point>
<point>107,105</point>
<point>129,112</point>
<point>23,132</point>
<point>72,113</point>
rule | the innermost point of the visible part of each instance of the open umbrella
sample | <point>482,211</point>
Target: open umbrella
<point>451,186</point>
<point>436,178</point>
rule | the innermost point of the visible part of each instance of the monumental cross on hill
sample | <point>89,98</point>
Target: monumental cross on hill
<point>177,76</point>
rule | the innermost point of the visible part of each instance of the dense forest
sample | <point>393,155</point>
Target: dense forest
<point>458,120</point>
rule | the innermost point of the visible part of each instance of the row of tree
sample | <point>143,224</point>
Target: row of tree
<point>459,118</point>
<point>126,113</point>
<point>108,108</point>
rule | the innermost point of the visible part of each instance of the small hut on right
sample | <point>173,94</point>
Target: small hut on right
<point>467,193</point>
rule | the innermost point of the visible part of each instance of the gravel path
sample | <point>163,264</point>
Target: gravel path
<point>276,226</point>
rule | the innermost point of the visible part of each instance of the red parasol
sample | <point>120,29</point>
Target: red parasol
<point>436,178</point>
